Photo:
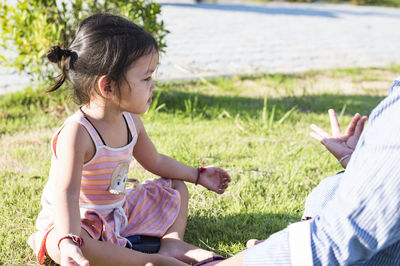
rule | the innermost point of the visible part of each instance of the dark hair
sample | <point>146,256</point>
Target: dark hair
<point>104,44</point>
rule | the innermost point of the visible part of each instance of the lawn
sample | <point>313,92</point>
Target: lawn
<point>254,126</point>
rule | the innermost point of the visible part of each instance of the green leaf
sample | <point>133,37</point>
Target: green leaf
<point>33,26</point>
<point>4,59</point>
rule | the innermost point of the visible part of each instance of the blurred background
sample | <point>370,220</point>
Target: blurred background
<point>214,38</point>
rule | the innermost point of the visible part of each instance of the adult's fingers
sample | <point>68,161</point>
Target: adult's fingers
<point>316,136</point>
<point>351,128</point>
<point>334,123</point>
<point>360,126</point>
<point>319,131</point>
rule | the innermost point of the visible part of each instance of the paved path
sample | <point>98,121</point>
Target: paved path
<point>229,37</point>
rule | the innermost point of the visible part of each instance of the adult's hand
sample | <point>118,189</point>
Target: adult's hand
<point>338,144</point>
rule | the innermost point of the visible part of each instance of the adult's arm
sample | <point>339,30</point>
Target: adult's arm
<point>363,218</point>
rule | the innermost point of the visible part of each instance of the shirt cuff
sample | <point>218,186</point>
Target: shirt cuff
<point>300,244</point>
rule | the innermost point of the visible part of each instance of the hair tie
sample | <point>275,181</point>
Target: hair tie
<point>56,53</point>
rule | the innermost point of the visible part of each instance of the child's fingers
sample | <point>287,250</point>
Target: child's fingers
<point>82,261</point>
<point>221,189</point>
<point>334,123</point>
<point>223,175</point>
<point>226,177</point>
<point>74,260</point>
<point>224,180</point>
<point>79,259</point>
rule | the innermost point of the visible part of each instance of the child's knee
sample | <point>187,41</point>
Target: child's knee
<point>181,187</point>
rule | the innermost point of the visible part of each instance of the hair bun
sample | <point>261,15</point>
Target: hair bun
<point>56,53</point>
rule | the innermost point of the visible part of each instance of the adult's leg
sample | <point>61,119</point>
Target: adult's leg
<point>102,253</point>
<point>172,243</point>
<point>270,252</point>
<point>387,256</point>
<point>321,195</point>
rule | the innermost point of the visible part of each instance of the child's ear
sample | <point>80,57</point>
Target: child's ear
<point>104,86</point>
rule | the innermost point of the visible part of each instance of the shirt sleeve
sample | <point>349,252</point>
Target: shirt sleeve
<point>363,217</point>
<point>395,86</point>
<point>273,251</point>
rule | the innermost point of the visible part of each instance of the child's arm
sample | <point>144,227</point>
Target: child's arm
<point>73,145</point>
<point>146,154</point>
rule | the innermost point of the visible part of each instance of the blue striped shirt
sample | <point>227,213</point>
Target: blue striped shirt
<point>360,223</point>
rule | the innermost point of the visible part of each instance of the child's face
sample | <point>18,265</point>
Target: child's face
<point>137,89</point>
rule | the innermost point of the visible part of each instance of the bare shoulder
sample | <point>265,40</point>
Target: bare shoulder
<point>75,139</point>
<point>138,122</point>
<point>74,132</point>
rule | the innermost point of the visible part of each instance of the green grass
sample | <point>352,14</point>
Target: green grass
<point>255,126</point>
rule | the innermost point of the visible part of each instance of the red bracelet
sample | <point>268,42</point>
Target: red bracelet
<point>199,171</point>
<point>76,239</point>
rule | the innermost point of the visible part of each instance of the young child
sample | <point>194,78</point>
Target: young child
<point>87,214</point>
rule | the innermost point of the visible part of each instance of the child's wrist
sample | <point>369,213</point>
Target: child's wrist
<point>199,171</point>
<point>70,239</point>
<point>65,243</point>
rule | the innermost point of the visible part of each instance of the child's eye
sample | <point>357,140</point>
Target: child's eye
<point>148,79</point>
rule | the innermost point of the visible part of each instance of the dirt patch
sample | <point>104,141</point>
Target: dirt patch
<point>364,82</point>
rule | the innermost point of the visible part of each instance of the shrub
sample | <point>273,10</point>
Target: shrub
<point>391,3</point>
<point>30,27</point>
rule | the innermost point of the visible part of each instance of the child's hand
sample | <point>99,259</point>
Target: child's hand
<point>71,254</point>
<point>214,179</point>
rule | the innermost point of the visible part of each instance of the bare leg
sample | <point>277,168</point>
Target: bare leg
<point>236,260</point>
<point>102,253</point>
<point>172,243</point>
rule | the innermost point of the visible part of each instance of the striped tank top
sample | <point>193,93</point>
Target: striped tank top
<point>104,176</point>
<point>109,211</point>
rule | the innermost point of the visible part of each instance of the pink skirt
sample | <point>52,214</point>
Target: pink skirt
<point>150,209</point>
